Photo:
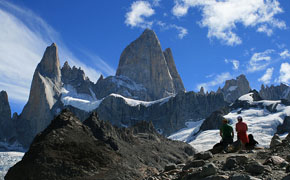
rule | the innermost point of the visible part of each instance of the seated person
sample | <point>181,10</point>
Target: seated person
<point>227,133</point>
<point>252,142</point>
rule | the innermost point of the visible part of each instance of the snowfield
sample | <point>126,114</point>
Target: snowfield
<point>7,160</point>
<point>261,123</point>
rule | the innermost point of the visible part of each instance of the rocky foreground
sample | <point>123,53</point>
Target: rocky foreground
<point>268,164</point>
<point>94,149</point>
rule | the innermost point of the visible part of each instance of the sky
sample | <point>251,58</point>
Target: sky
<point>211,40</point>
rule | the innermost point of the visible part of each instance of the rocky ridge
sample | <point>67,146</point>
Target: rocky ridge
<point>256,164</point>
<point>281,91</point>
<point>69,149</point>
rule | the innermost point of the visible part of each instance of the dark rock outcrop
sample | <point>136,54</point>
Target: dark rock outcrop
<point>68,149</point>
<point>7,131</point>
<point>235,88</point>
<point>44,93</point>
<point>143,62</point>
<point>285,127</point>
<point>281,91</point>
<point>76,78</point>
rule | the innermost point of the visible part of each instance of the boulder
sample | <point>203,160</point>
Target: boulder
<point>275,141</point>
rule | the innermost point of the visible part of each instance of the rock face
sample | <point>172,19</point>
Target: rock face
<point>235,88</point>
<point>76,78</point>
<point>120,85</point>
<point>68,149</point>
<point>285,127</point>
<point>168,115</point>
<point>144,62</point>
<point>6,124</point>
<point>44,93</point>
<point>178,84</point>
<point>281,91</point>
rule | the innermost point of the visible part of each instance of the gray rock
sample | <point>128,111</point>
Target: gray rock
<point>44,93</point>
<point>178,84</point>
<point>208,170</point>
<point>243,177</point>
<point>286,177</point>
<point>7,130</point>
<point>170,167</point>
<point>275,160</point>
<point>230,163</point>
<point>235,88</point>
<point>143,62</point>
<point>76,78</point>
<point>255,168</point>
<point>275,92</point>
<point>194,164</point>
<point>275,141</point>
<point>216,177</point>
<point>204,155</point>
<point>285,127</point>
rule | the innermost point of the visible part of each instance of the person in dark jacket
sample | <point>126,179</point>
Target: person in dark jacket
<point>252,142</point>
<point>227,133</point>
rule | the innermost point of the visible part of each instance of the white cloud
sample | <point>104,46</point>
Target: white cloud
<point>260,61</point>
<point>181,30</point>
<point>23,39</point>
<point>222,17</point>
<point>285,73</point>
<point>285,54</point>
<point>235,63</point>
<point>138,11</point>
<point>219,79</point>
<point>267,76</point>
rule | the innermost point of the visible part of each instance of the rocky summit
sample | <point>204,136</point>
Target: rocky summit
<point>235,88</point>
<point>44,93</point>
<point>69,149</point>
<point>144,62</point>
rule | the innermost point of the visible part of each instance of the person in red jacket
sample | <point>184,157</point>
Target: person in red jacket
<point>242,128</point>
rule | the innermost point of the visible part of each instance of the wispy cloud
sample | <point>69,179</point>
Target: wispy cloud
<point>267,76</point>
<point>181,30</point>
<point>260,61</point>
<point>285,73</point>
<point>285,54</point>
<point>139,10</point>
<point>218,80</point>
<point>236,63</point>
<point>23,39</point>
<point>221,17</point>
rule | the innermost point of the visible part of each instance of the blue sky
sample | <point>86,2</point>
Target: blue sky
<point>211,40</point>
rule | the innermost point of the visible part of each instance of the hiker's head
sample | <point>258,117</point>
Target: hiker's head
<point>239,118</point>
<point>225,121</point>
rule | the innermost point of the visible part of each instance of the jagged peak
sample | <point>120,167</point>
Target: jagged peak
<point>49,65</point>
<point>4,96</point>
<point>66,65</point>
<point>201,91</point>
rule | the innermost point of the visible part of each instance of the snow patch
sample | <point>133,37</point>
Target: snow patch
<point>7,160</point>
<point>133,102</point>
<point>127,82</point>
<point>247,97</point>
<point>232,88</point>
<point>185,134</point>
<point>81,101</point>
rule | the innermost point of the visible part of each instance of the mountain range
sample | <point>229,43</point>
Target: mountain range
<point>146,87</point>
